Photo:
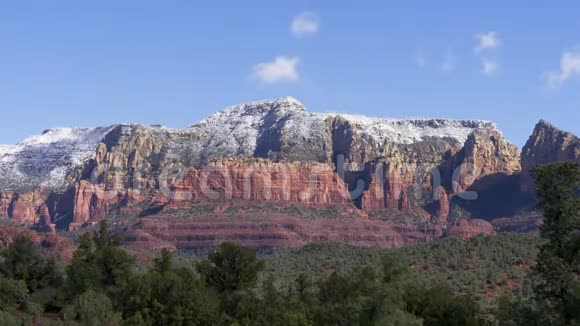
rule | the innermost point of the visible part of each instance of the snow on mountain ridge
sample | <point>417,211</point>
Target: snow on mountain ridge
<point>72,135</point>
<point>255,109</point>
<point>48,159</point>
<point>245,121</point>
<point>250,128</point>
<point>234,131</point>
<point>406,131</point>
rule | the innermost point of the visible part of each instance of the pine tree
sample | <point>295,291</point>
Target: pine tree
<point>558,264</point>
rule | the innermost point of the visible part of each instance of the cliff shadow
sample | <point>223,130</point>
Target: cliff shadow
<point>498,195</point>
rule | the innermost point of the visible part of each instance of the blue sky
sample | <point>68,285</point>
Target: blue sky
<point>88,63</point>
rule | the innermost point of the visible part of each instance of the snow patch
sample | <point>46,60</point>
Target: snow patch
<point>407,131</point>
<point>236,130</point>
<point>47,160</point>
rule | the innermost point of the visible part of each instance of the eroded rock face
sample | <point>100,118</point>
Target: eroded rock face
<point>405,178</point>
<point>271,230</point>
<point>486,154</point>
<point>89,203</point>
<point>547,144</point>
<point>272,152</point>
<point>23,208</point>
<point>443,206</point>
<point>27,208</point>
<point>309,184</point>
<point>465,229</point>
<point>5,201</point>
<point>434,170</point>
<point>137,167</point>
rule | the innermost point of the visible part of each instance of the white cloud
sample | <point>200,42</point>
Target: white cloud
<point>486,41</point>
<point>569,68</point>
<point>489,67</point>
<point>448,64</point>
<point>282,69</point>
<point>305,24</point>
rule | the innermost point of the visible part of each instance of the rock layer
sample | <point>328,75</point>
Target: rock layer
<point>276,227</point>
<point>309,184</point>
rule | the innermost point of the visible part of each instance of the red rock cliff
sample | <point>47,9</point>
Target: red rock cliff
<point>311,184</point>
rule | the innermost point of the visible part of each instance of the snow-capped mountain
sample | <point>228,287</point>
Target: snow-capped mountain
<point>276,129</point>
<point>46,160</point>
<point>240,127</point>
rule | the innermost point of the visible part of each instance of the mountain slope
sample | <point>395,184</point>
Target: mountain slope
<point>272,151</point>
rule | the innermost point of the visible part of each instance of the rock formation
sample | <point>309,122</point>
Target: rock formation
<point>27,208</point>
<point>547,144</point>
<point>271,227</point>
<point>486,154</point>
<point>465,229</point>
<point>274,152</point>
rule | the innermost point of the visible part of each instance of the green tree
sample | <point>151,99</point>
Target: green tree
<point>92,309</point>
<point>22,260</point>
<point>396,269</point>
<point>11,319</point>
<point>340,301</point>
<point>438,306</point>
<point>164,263</point>
<point>231,267</point>
<point>274,306</point>
<point>516,311</point>
<point>366,296</point>
<point>99,264</point>
<point>12,293</point>
<point>558,266</point>
<point>168,296</point>
<point>232,272</point>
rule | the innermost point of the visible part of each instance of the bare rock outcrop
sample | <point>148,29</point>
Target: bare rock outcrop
<point>27,208</point>
<point>465,229</point>
<point>310,184</point>
<point>547,144</point>
<point>271,229</point>
<point>407,177</point>
<point>485,155</point>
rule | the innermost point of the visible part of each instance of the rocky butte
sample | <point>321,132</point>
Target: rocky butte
<point>271,173</point>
